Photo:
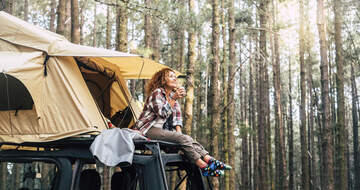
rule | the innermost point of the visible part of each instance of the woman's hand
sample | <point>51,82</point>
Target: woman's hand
<point>178,128</point>
<point>179,93</point>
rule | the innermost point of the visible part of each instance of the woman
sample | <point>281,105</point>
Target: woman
<point>161,120</point>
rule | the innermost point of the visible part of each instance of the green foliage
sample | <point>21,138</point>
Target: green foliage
<point>244,128</point>
<point>244,17</point>
<point>145,52</point>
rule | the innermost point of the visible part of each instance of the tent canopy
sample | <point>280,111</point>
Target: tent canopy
<point>19,32</point>
<point>66,89</point>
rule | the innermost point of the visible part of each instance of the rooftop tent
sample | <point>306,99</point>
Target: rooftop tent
<point>66,89</point>
<point>14,95</point>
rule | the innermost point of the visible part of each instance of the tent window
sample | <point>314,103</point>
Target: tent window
<point>13,94</point>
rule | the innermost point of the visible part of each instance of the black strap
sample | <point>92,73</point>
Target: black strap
<point>45,62</point>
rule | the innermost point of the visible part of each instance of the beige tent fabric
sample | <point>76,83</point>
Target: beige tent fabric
<point>22,33</point>
<point>63,104</point>
<point>26,120</point>
<point>119,94</point>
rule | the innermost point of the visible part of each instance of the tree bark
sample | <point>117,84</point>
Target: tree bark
<point>201,97</point>
<point>75,27</point>
<point>9,6</point>
<point>254,92</point>
<point>94,36</point>
<point>60,28</point>
<point>341,162</point>
<point>148,26</point>
<point>121,27</point>
<point>280,156</point>
<point>224,139</point>
<point>17,176</point>
<point>311,136</point>
<point>215,87</point>
<point>82,21</point>
<point>26,12</point>
<point>355,126</point>
<point>189,100</point>
<point>230,98</point>
<point>305,180</point>
<point>314,178</point>
<point>263,120</point>
<point>52,14</point>
<point>290,135</point>
<point>148,37</point>
<point>156,40</point>
<point>67,33</point>
<point>108,27</point>
<point>326,136</point>
<point>181,49</point>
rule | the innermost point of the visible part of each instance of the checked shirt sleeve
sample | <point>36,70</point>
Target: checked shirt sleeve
<point>177,118</point>
<point>159,104</point>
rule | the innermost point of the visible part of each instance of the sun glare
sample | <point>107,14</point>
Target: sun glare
<point>288,19</point>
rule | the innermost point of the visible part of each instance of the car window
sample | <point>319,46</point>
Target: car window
<point>23,176</point>
<point>99,177</point>
<point>183,175</point>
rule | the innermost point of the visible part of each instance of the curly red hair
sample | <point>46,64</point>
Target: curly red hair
<point>157,80</point>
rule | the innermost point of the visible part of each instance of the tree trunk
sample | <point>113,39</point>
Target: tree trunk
<point>251,118</point>
<point>280,156</point>
<point>95,26</point>
<point>60,28</point>
<point>224,138</point>
<point>230,98</point>
<point>355,129</point>
<point>68,20</point>
<point>319,132</point>
<point>254,92</point>
<point>311,137</point>
<point>156,40</point>
<point>148,26</point>
<point>305,180</point>
<point>181,49</point>
<point>148,36</point>
<point>75,27</point>
<point>52,14</point>
<point>17,176</point>
<point>290,135</point>
<point>8,6</point>
<point>201,98</point>
<point>45,174</point>
<point>215,87</point>
<point>82,21</point>
<point>314,178</point>
<point>245,161</point>
<point>189,101</point>
<point>327,145</point>
<point>26,12</point>
<point>108,27</point>
<point>266,101</point>
<point>341,162</point>
<point>263,102</point>
<point>121,27</point>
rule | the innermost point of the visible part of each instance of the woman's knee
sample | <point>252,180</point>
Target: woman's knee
<point>185,139</point>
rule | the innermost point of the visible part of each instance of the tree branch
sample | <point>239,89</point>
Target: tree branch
<point>134,6</point>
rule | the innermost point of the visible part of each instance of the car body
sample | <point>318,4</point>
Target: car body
<point>153,162</point>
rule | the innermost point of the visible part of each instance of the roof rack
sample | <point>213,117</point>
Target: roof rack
<point>58,144</point>
<point>85,142</point>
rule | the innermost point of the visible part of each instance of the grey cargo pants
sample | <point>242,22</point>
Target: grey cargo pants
<point>192,149</point>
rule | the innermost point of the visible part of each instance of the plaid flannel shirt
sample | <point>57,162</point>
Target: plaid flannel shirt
<point>156,110</point>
